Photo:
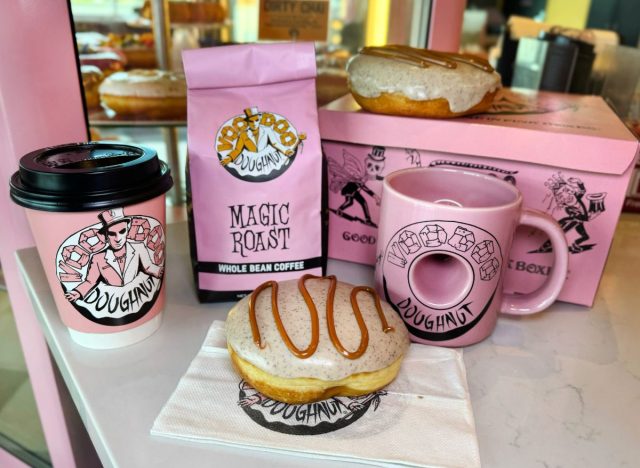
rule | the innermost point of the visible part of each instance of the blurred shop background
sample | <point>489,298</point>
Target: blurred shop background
<point>574,46</point>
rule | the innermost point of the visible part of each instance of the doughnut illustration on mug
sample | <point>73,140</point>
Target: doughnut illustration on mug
<point>112,271</point>
<point>445,276</point>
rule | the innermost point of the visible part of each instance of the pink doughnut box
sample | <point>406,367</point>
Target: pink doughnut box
<point>570,156</point>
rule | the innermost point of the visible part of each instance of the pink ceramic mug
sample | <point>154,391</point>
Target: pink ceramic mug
<point>443,246</point>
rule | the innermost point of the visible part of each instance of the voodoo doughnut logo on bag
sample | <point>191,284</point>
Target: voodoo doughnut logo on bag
<point>320,417</point>
<point>112,271</point>
<point>257,146</point>
<point>448,274</point>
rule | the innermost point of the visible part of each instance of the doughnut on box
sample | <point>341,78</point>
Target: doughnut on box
<point>570,155</point>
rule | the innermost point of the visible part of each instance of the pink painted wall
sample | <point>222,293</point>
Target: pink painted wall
<point>9,461</point>
<point>446,25</point>
<point>40,105</point>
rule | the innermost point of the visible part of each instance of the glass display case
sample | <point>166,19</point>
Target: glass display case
<point>129,52</point>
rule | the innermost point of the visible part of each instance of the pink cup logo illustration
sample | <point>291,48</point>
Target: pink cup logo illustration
<point>257,146</point>
<point>446,276</point>
<point>112,271</point>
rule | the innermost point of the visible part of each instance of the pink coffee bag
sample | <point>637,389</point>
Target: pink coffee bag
<point>255,166</point>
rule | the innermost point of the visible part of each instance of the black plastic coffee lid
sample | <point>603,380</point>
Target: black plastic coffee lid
<point>89,176</point>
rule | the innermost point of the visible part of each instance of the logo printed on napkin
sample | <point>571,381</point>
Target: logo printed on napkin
<point>306,419</point>
<point>430,395</point>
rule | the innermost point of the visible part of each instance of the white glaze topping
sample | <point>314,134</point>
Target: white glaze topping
<point>463,86</point>
<point>326,363</point>
<point>91,76</point>
<point>145,83</point>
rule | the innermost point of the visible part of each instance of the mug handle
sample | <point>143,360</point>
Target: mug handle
<point>543,297</point>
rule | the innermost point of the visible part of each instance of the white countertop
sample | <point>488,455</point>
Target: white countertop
<point>561,388</point>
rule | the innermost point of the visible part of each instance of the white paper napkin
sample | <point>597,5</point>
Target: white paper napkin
<point>423,418</point>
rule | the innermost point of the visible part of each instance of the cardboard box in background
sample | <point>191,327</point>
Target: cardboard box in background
<point>569,155</point>
<point>632,202</point>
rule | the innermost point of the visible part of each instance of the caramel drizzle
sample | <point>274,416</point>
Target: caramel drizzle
<point>424,58</point>
<point>315,326</point>
<point>315,321</point>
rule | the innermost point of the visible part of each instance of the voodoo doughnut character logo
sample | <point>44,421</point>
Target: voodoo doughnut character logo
<point>579,207</point>
<point>350,178</point>
<point>112,271</point>
<point>464,263</point>
<point>257,146</point>
<point>315,418</point>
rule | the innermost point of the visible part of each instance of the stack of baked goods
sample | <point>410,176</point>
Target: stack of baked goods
<point>151,94</point>
<point>91,79</point>
<point>309,339</point>
<point>401,80</point>
<point>137,48</point>
<point>93,50</point>
<point>107,61</point>
<point>331,82</point>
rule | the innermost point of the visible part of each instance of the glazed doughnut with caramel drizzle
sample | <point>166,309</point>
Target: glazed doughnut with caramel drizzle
<point>313,312</point>
<point>425,58</point>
